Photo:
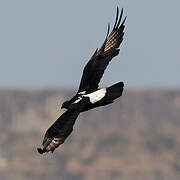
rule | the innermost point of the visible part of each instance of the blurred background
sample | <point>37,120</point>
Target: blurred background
<point>44,46</point>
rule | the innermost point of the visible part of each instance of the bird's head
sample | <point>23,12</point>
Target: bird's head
<point>65,105</point>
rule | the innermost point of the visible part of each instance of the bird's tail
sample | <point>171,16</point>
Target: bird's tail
<point>114,91</point>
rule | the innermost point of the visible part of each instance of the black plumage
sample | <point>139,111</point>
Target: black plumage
<point>88,95</point>
<point>94,69</point>
<point>62,127</point>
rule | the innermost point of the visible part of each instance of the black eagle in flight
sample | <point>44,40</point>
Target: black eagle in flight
<point>88,95</point>
<point>94,69</point>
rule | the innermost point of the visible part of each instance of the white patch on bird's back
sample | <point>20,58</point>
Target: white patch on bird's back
<point>96,96</point>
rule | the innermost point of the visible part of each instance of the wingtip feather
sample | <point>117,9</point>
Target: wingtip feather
<point>117,15</point>
<point>120,18</point>
<point>108,30</point>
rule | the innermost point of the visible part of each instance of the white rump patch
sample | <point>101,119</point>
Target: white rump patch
<point>96,96</point>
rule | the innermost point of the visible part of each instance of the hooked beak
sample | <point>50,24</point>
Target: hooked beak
<point>62,107</point>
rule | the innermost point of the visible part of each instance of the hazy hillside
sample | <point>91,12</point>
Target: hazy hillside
<point>136,138</point>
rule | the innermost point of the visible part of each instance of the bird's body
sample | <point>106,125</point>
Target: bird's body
<point>100,97</point>
<point>94,69</point>
<point>63,126</point>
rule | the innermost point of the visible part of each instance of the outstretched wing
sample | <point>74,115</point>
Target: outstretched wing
<point>96,66</point>
<point>62,127</point>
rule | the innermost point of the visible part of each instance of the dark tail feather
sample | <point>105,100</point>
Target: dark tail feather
<point>114,91</point>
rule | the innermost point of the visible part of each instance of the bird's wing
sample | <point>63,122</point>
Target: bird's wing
<point>68,118</point>
<point>96,66</point>
<point>62,127</point>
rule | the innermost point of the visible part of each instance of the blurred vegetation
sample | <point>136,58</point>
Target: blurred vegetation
<point>159,142</point>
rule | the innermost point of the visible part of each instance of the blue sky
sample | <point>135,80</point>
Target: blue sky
<point>47,43</point>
